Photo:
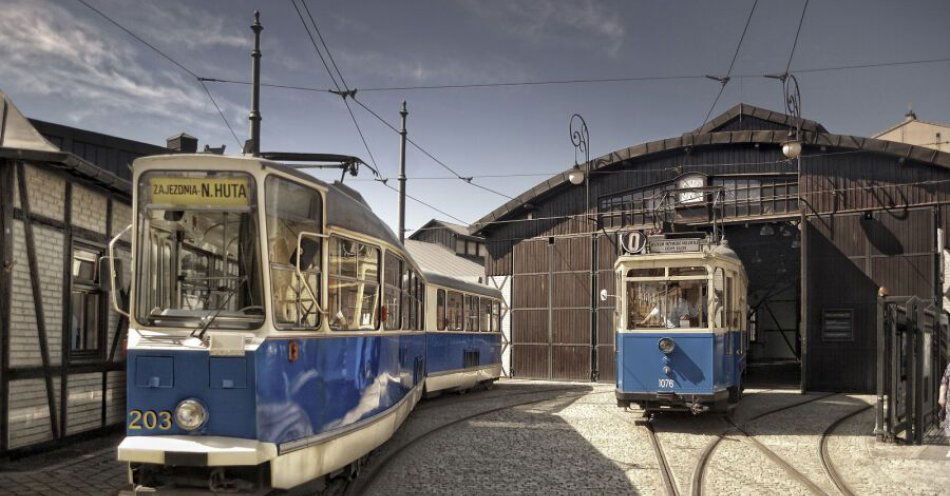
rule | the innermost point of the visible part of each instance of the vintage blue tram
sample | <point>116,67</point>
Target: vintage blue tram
<point>278,329</point>
<point>681,327</point>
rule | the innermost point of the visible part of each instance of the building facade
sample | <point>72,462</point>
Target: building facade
<point>64,193</point>
<point>818,237</point>
<point>454,237</point>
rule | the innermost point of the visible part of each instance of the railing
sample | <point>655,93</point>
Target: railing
<point>912,339</point>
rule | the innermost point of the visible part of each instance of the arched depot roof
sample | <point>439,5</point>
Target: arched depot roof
<point>740,124</point>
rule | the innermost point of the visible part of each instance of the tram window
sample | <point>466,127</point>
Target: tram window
<point>649,272</point>
<point>666,304</point>
<point>719,300</point>
<point>171,226</point>
<point>392,291</point>
<point>731,319</point>
<point>441,320</point>
<point>422,305</point>
<point>688,271</point>
<point>496,316</point>
<point>485,307</point>
<point>292,209</point>
<point>353,300</point>
<point>454,311</point>
<point>410,297</point>
<point>471,313</point>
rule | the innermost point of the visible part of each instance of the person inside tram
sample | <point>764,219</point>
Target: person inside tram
<point>679,312</point>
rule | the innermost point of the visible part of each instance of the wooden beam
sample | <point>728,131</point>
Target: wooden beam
<point>6,285</point>
<point>30,242</point>
<point>67,304</point>
<point>105,311</point>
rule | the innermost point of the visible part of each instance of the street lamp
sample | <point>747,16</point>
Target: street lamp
<point>580,138</point>
<point>576,176</point>
<point>792,149</point>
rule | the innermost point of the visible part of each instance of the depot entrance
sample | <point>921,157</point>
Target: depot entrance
<point>771,254</point>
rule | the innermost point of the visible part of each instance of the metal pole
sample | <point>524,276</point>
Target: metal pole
<point>255,116</point>
<point>402,174</point>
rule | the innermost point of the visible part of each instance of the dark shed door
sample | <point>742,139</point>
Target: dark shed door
<point>530,310</point>
<point>551,310</point>
<point>847,258</point>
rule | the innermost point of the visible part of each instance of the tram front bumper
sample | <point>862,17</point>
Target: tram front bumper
<point>669,399</point>
<point>195,451</point>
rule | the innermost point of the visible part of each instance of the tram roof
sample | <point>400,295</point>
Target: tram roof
<point>454,283</point>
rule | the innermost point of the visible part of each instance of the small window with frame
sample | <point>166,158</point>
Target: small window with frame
<point>88,315</point>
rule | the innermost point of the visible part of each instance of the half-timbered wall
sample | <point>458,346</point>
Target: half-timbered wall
<point>54,386</point>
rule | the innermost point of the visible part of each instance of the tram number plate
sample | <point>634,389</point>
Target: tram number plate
<point>666,383</point>
<point>150,419</point>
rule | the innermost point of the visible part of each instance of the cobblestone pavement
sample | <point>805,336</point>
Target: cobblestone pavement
<point>85,468</point>
<point>556,438</point>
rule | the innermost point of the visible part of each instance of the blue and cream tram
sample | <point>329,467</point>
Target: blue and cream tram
<point>277,326</point>
<point>681,330</point>
<point>463,342</point>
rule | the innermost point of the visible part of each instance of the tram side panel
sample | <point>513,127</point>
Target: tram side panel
<point>460,360</point>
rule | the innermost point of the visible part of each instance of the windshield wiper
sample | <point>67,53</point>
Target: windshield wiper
<point>210,319</point>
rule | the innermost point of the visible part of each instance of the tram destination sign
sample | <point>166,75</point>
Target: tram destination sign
<point>675,245</point>
<point>200,191</point>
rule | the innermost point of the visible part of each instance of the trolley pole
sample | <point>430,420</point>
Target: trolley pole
<point>254,145</point>
<point>402,174</point>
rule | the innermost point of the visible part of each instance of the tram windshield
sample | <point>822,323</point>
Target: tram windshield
<point>198,257</point>
<point>657,302</point>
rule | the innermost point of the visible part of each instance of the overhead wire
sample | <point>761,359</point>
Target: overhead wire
<point>504,84</point>
<point>170,59</point>
<point>723,81</point>
<point>341,91</point>
<point>421,202</point>
<point>801,21</point>
<point>465,179</point>
<point>345,92</point>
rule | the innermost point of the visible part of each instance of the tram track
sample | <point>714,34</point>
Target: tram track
<point>696,486</point>
<point>359,485</point>
<point>826,461</point>
<point>669,482</point>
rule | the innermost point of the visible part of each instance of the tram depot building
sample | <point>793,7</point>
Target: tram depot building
<point>818,237</point>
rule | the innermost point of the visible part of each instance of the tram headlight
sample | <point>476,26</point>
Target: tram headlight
<point>190,414</point>
<point>666,345</point>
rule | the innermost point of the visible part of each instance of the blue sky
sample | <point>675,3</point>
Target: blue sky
<point>63,63</point>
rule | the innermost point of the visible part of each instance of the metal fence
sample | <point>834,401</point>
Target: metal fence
<point>912,340</point>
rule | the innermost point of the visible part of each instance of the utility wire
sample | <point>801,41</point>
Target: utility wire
<point>324,43</point>
<point>342,91</point>
<point>503,84</point>
<point>426,204</point>
<point>465,179</point>
<point>725,80</point>
<point>314,43</point>
<point>223,118</point>
<point>173,61</point>
<point>801,20</point>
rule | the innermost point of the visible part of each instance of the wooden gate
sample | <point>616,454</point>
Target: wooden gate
<point>551,310</point>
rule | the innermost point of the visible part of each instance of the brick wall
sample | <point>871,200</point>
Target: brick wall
<point>29,416</point>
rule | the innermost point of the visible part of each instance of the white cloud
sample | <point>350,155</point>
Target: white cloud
<point>50,52</point>
<point>545,22</point>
